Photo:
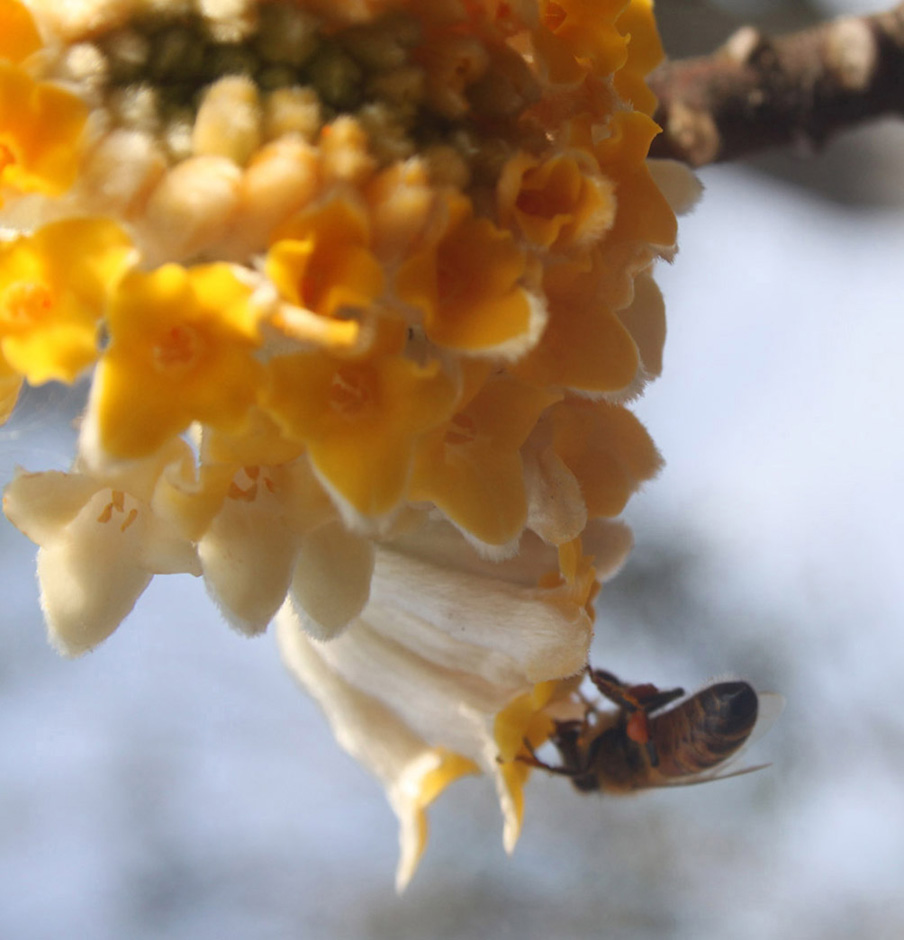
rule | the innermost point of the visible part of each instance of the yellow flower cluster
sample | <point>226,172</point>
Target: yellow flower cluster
<point>362,288</point>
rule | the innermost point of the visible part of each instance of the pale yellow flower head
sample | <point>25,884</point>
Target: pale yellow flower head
<point>362,290</point>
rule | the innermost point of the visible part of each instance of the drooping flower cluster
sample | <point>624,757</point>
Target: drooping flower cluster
<point>361,288</point>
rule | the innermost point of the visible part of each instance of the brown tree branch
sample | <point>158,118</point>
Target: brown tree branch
<point>756,92</point>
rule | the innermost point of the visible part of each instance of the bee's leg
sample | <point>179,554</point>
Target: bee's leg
<point>533,761</point>
<point>610,687</point>
<point>567,739</point>
<point>644,697</point>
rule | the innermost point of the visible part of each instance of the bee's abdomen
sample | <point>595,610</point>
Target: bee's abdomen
<point>705,730</point>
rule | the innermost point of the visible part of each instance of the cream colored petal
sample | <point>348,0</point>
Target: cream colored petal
<point>81,612</point>
<point>441,544</point>
<point>138,477</point>
<point>118,174</point>
<point>609,543</point>
<point>487,610</point>
<point>39,504</point>
<point>190,209</point>
<point>446,708</point>
<point>248,554</point>
<point>332,577</point>
<point>167,552</point>
<point>91,573</point>
<point>394,658</point>
<point>679,184</point>
<point>10,387</point>
<point>644,319</point>
<point>555,507</point>
<point>492,675</point>
<point>453,707</point>
<point>412,772</point>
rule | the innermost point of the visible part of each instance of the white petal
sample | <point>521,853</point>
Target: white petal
<point>138,477</point>
<point>441,544</point>
<point>247,555</point>
<point>556,510</point>
<point>166,552</point>
<point>373,735</point>
<point>452,709</point>
<point>679,184</point>
<point>38,504</point>
<point>447,643</point>
<point>487,610</point>
<point>644,319</point>
<point>332,578</point>
<point>90,574</point>
<point>609,543</point>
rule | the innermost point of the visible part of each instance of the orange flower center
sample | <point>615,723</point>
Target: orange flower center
<point>117,505</point>
<point>553,16</point>
<point>7,158</point>
<point>451,273</point>
<point>178,348</point>
<point>310,288</point>
<point>24,303</point>
<point>246,491</point>
<point>537,202</point>
<point>461,431</point>
<point>352,391</point>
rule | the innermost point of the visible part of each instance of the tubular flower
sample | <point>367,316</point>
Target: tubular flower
<point>54,285</point>
<point>41,124</point>
<point>101,541</point>
<point>321,263</point>
<point>487,312</point>
<point>562,201</point>
<point>19,37</point>
<point>180,350</point>
<point>362,289</point>
<point>359,421</point>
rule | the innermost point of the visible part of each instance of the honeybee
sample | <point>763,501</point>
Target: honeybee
<point>645,744</point>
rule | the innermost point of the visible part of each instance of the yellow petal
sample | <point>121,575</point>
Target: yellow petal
<point>644,213</point>
<point>468,287</point>
<point>19,37</point>
<point>638,24</point>
<point>585,346</point>
<point>54,286</point>
<point>606,448</point>
<point>40,133</point>
<point>644,319</point>
<point>321,259</point>
<point>521,720</point>
<point>359,420</point>
<point>471,468</point>
<point>587,29</point>
<point>182,349</point>
<point>557,203</point>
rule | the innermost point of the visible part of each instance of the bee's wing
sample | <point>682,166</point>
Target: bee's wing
<point>769,706</point>
<point>717,773</point>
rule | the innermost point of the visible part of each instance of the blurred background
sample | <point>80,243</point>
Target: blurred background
<point>174,783</point>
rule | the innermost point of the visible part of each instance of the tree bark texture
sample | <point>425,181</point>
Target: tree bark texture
<point>757,92</point>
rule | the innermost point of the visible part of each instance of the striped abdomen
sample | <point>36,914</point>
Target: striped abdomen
<point>703,731</point>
